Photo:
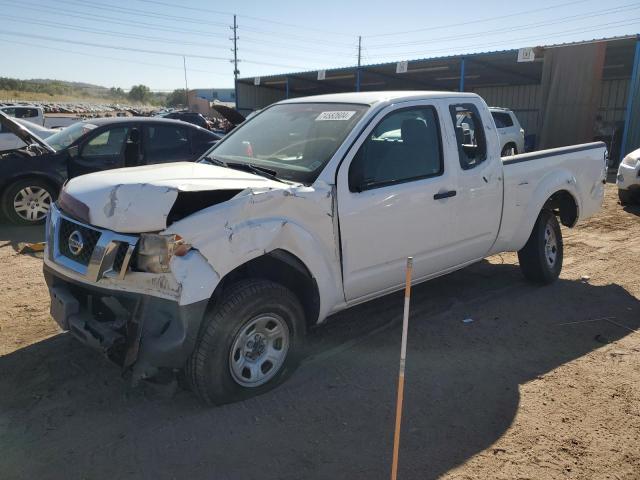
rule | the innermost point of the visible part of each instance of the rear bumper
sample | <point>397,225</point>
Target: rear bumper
<point>138,331</point>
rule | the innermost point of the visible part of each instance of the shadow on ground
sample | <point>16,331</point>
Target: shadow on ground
<point>65,412</point>
<point>633,209</point>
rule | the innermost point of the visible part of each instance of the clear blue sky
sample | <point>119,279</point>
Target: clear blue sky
<point>275,36</point>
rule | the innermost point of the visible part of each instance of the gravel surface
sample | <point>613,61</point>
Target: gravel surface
<point>542,384</point>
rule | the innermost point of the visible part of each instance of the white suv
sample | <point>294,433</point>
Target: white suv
<point>628,179</point>
<point>510,131</point>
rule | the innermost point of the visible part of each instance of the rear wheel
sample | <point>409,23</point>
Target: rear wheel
<point>27,201</point>
<point>508,150</point>
<point>250,343</point>
<point>541,257</point>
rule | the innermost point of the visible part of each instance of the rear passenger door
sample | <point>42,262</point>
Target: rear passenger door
<point>479,170</point>
<point>166,143</point>
<point>396,197</point>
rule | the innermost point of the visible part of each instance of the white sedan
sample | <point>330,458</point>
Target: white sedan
<point>9,141</point>
<point>628,179</point>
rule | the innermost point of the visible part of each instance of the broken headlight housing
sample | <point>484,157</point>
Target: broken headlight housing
<point>155,251</point>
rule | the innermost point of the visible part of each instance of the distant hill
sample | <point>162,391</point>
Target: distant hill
<point>60,90</point>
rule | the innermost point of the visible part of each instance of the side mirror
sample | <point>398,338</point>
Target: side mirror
<point>73,151</point>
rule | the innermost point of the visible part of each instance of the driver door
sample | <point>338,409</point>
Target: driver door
<point>396,199</point>
<point>103,150</point>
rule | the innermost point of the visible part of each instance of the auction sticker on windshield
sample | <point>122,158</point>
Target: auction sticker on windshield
<point>336,115</point>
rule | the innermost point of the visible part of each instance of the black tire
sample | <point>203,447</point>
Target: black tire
<point>626,197</point>
<point>35,205</point>
<point>541,257</point>
<point>509,149</point>
<point>209,369</point>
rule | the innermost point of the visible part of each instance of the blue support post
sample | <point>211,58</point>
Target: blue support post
<point>634,86</point>
<point>461,87</point>
<point>287,88</point>
<point>357,79</point>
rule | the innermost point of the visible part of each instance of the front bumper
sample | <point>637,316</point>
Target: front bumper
<point>628,177</point>
<point>141,332</point>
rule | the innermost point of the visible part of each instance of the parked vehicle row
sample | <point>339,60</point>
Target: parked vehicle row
<point>218,268</point>
<point>509,130</point>
<point>32,174</point>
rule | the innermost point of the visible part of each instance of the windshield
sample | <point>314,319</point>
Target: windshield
<point>67,136</point>
<point>293,140</point>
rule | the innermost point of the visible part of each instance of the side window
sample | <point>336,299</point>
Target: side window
<point>470,138</point>
<point>503,120</point>
<point>166,143</point>
<point>108,143</point>
<point>404,146</point>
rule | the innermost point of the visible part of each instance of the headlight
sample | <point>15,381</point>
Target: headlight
<point>155,251</point>
<point>630,161</point>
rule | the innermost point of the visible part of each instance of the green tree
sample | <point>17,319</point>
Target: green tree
<point>117,92</point>
<point>139,93</point>
<point>176,98</point>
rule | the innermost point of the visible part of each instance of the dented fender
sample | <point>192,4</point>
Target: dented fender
<point>298,220</point>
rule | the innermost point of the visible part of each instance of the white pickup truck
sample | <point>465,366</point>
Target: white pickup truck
<point>217,268</point>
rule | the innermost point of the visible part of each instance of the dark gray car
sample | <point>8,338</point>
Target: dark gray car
<point>31,177</point>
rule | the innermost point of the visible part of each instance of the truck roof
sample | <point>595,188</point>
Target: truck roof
<point>370,98</point>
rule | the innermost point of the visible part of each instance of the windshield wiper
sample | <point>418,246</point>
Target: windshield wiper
<point>215,161</point>
<point>258,170</point>
<point>247,167</point>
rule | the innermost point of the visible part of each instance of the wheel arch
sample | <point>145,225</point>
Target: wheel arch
<point>49,179</point>
<point>564,205</point>
<point>282,267</point>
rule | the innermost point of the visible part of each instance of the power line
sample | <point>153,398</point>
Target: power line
<point>114,20</point>
<point>68,13</point>
<point>294,47</point>
<point>142,13</point>
<point>601,26</point>
<point>259,19</point>
<point>475,21</point>
<point>93,55</point>
<point>141,50</point>
<point>606,11</point>
<point>112,33</point>
<point>300,38</point>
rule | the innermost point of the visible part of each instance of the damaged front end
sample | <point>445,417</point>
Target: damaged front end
<point>141,320</point>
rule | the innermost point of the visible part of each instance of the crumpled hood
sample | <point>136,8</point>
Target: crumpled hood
<point>139,199</point>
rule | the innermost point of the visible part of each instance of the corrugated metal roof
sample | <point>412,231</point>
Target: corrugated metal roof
<point>443,57</point>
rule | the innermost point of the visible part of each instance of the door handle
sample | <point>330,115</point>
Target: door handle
<point>441,195</point>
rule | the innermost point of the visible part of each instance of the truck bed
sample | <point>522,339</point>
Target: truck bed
<point>530,178</point>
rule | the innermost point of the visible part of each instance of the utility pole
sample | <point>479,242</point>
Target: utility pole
<point>235,58</point>
<point>186,87</point>
<point>359,61</point>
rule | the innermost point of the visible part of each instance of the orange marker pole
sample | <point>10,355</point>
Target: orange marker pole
<point>403,356</point>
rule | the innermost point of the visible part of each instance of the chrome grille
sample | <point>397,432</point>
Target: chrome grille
<point>89,237</point>
<point>103,253</point>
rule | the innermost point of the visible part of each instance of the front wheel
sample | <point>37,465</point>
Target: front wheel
<point>250,342</point>
<point>541,257</point>
<point>626,197</point>
<point>27,202</point>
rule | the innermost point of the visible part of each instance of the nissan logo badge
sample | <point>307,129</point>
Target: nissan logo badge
<point>76,242</point>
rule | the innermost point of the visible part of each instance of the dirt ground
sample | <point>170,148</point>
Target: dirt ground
<point>544,383</point>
